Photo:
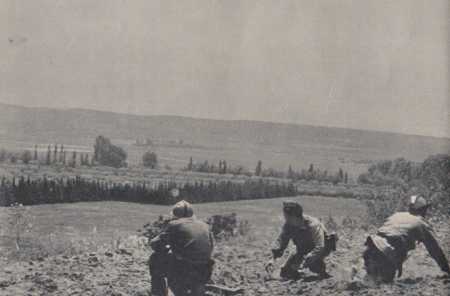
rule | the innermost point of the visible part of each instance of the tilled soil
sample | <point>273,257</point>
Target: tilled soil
<point>239,263</point>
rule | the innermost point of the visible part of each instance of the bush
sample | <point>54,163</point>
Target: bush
<point>223,226</point>
<point>3,155</point>
<point>384,205</point>
<point>430,178</point>
<point>108,154</point>
<point>150,160</point>
<point>26,157</point>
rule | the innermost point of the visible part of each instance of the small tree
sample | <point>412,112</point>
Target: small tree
<point>13,158</point>
<point>73,163</point>
<point>108,154</point>
<point>3,155</point>
<point>341,175</point>
<point>35,158</point>
<point>48,160</point>
<point>26,157</point>
<point>190,164</point>
<point>61,154</point>
<point>55,154</point>
<point>224,166</point>
<point>258,169</point>
<point>19,223</point>
<point>150,159</point>
<point>290,173</point>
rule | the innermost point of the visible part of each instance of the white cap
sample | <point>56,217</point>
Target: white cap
<point>417,202</point>
<point>182,209</point>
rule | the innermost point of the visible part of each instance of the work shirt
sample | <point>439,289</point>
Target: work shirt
<point>409,230</point>
<point>308,238</point>
<point>189,239</point>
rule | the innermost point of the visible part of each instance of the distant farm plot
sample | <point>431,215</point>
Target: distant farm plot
<point>276,156</point>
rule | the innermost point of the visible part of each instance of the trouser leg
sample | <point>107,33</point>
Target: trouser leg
<point>186,276</point>
<point>377,266</point>
<point>158,265</point>
<point>291,266</point>
<point>319,267</point>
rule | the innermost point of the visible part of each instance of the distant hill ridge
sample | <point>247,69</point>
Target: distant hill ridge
<point>81,126</point>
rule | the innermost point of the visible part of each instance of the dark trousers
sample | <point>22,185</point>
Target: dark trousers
<point>183,277</point>
<point>159,271</point>
<point>291,266</point>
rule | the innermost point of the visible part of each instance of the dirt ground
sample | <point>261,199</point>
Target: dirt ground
<point>122,269</point>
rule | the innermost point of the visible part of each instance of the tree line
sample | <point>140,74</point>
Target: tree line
<point>65,190</point>
<point>309,174</point>
<point>55,154</point>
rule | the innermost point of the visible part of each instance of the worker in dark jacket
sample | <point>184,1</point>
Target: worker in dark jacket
<point>387,250</point>
<point>182,254</point>
<point>310,238</point>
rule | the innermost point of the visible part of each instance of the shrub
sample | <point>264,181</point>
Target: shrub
<point>150,159</point>
<point>430,178</point>
<point>223,226</point>
<point>26,157</point>
<point>108,154</point>
<point>19,223</point>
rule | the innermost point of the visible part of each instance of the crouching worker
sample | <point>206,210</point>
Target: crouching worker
<point>310,238</point>
<point>387,250</point>
<point>182,255</point>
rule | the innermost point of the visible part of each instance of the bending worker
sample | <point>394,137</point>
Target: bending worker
<point>387,250</point>
<point>182,254</point>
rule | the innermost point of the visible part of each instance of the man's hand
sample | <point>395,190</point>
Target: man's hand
<point>446,270</point>
<point>277,253</point>
<point>270,266</point>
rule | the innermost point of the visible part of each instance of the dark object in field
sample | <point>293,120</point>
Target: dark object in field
<point>151,230</point>
<point>330,242</point>
<point>223,225</point>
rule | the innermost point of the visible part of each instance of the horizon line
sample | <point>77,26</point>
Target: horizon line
<point>445,137</point>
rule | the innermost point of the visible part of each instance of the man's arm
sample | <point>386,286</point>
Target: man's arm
<point>281,243</point>
<point>159,242</point>
<point>211,240</point>
<point>434,249</point>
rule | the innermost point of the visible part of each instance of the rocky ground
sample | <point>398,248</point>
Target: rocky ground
<point>240,263</point>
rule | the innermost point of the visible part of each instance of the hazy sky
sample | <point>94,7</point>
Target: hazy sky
<point>363,64</point>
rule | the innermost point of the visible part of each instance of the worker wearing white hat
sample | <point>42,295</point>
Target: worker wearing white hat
<point>387,250</point>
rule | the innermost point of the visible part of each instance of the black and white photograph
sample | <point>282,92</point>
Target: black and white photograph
<point>224,147</point>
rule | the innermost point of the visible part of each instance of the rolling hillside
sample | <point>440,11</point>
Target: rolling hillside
<point>240,142</point>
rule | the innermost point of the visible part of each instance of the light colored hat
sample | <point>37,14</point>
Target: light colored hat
<point>417,202</point>
<point>182,209</point>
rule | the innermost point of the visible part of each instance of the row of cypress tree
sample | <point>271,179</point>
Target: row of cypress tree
<point>65,190</point>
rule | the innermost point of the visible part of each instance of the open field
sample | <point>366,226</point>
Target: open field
<point>112,260</point>
<point>107,221</point>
